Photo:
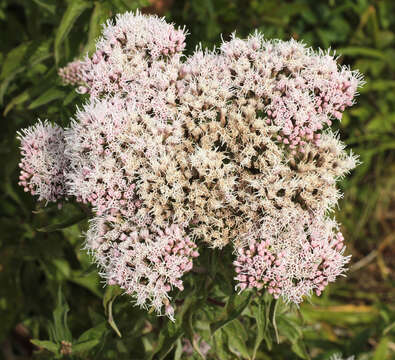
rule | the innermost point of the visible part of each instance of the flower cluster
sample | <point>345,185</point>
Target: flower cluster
<point>43,161</point>
<point>229,147</point>
<point>146,261</point>
<point>131,56</point>
<point>71,73</point>
<point>291,258</point>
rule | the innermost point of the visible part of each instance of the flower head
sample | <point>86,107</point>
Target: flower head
<point>43,161</point>
<point>224,147</point>
<point>291,257</point>
<point>146,261</point>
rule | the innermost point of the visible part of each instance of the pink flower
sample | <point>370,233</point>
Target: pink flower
<point>43,161</point>
<point>293,260</point>
<point>147,262</point>
<point>224,147</point>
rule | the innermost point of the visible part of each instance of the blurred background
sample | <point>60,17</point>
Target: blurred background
<point>43,270</point>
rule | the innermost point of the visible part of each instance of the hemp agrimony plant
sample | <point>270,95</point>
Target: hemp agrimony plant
<point>225,148</point>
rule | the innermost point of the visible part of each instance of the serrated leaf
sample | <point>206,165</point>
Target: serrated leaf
<point>45,344</point>
<point>14,59</point>
<point>234,307</point>
<point>74,9</point>
<point>292,331</point>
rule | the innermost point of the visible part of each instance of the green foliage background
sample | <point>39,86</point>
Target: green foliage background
<point>49,292</point>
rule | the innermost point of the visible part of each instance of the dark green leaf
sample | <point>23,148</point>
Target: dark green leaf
<point>46,97</point>
<point>83,346</point>
<point>234,307</point>
<point>100,14</point>
<point>59,226</point>
<point>382,349</point>
<point>110,295</point>
<point>237,337</point>
<point>167,340</point>
<point>74,9</point>
<point>48,345</point>
<point>49,5</point>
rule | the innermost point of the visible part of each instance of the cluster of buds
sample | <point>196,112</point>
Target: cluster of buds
<point>303,258</point>
<point>71,74</point>
<point>147,262</point>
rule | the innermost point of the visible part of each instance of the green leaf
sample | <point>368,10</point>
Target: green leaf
<point>70,97</point>
<point>110,295</point>
<point>299,349</point>
<point>188,321</point>
<point>97,332</point>
<point>27,54</point>
<point>48,345</point>
<point>14,59</point>
<point>59,226</point>
<point>167,340</point>
<point>125,5</point>
<point>288,328</point>
<point>173,332</point>
<point>234,307</point>
<point>89,281</point>
<point>83,346</point>
<point>49,5</point>
<point>220,341</point>
<point>363,51</point>
<point>379,85</point>
<point>100,14</point>
<point>292,331</point>
<point>237,338</point>
<point>382,349</point>
<point>60,326</point>
<point>21,98</point>
<point>179,350</point>
<point>262,317</point>
<point>389,328</point>
<point>74,9</point>
<point>46,97</point>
